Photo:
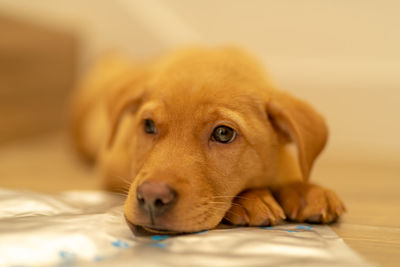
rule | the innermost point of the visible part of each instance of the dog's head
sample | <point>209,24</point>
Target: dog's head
<point>205,125</point>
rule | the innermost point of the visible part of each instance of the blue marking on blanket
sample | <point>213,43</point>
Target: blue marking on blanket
<point>265,227</point>
<point>159,237</point>
<point>66,255</point>
<point>292,231</point>
<point>303,227</point>
<point>120,244</point>
<point>68,258</point>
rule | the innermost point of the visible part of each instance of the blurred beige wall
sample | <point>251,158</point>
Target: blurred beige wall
<point>343,56</point>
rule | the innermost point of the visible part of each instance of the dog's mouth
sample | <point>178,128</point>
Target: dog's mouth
<point>141,223</point>
<point>141,230</point>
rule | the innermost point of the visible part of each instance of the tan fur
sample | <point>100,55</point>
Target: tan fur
<point>188,93</point>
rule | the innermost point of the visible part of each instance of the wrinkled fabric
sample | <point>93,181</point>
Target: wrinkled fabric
<point>84,228</point>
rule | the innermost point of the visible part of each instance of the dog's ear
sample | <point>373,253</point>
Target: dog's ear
<point>301,124</point>
<point>124,100</point>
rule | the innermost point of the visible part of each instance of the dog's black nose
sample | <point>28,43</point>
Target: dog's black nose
<point>155,198</point>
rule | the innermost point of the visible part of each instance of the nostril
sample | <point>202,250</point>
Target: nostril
<point>159,203</point>
<point>155,198</point>
<point>140,199</point>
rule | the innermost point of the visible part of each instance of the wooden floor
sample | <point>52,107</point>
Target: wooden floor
<point>370,190</point>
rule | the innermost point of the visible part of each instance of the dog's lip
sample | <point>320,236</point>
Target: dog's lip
<point>140,230</point>
<point>154,230</point>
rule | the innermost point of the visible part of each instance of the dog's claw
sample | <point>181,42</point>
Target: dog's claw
<point>315,218</point>
<point>282,215</point>
<point>293,214</point>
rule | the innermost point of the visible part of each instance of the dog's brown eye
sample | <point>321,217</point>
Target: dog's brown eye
<point>149,126</point>
<point>223,134</point>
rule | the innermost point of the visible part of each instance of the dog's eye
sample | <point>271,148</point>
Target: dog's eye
<point>149,126</point>
<point>223,134</point>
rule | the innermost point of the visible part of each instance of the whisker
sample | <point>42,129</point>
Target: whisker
<point>218,202</point>
<point>215,202</point>
<point>118,190</point>
<point>232,197</point>
<point>123,187</point>
<point>231,212</point>
<point>122,178</point>
<point>119,194</point>
<point>233,204</point>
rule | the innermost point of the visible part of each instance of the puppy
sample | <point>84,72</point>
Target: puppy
<point>198,136</point>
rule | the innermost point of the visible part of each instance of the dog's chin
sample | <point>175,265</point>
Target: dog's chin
<point>141,230</point>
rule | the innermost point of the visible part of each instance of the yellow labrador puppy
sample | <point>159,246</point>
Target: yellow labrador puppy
<point>198,136</point>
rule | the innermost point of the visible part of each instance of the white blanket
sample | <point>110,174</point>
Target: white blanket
<point>87,228</point>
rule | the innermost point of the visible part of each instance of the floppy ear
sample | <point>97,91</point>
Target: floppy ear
<point>124,101</point>
<point>301,124</point>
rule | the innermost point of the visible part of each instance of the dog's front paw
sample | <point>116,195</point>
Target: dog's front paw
<point>255,207</point>
<point>303,202</point>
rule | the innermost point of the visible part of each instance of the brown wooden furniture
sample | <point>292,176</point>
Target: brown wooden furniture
<point>37,69</point>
